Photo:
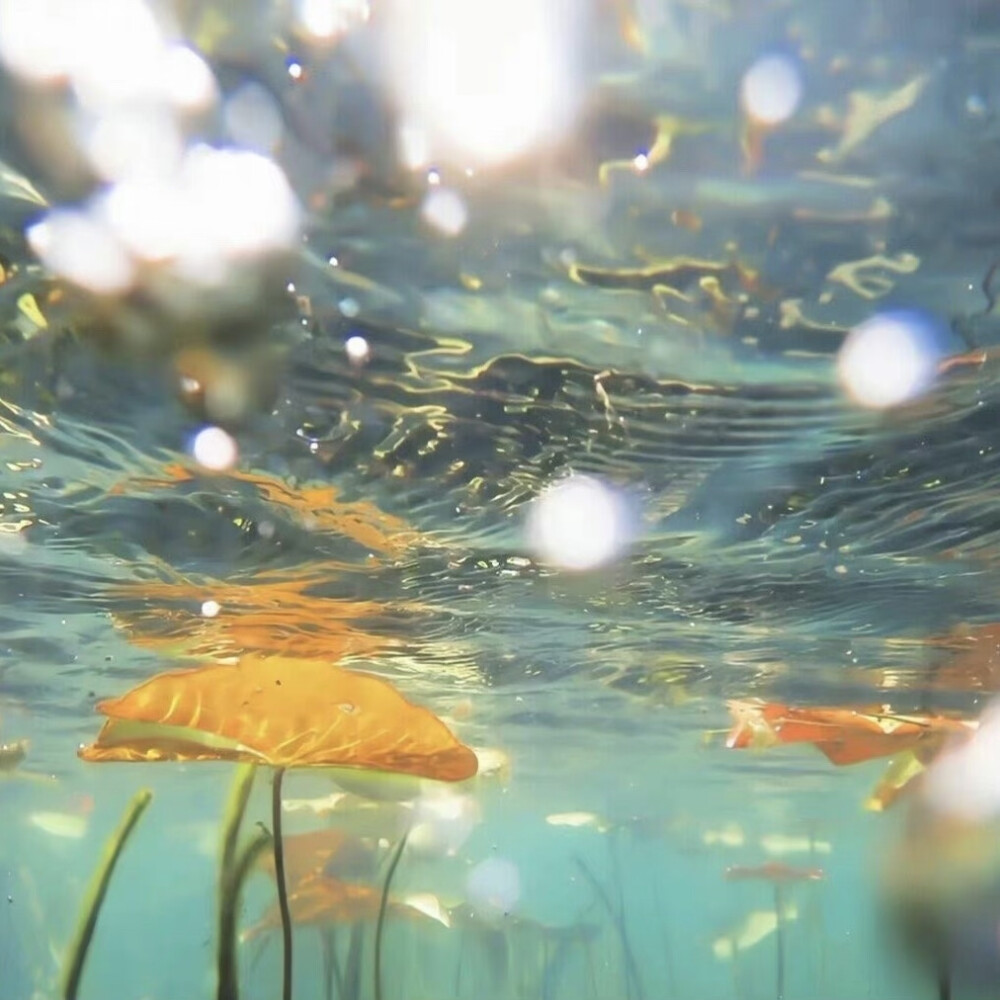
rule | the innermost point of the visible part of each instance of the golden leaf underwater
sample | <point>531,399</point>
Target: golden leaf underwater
<point>280,712</point>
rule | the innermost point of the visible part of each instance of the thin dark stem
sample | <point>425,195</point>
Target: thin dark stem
<point>631,968</point>
<point>97,891</point>
<point>326,945</point>
<point>279,875</point>
<point>779,937</point>
<point>383,904</point>
<point>944,981</point>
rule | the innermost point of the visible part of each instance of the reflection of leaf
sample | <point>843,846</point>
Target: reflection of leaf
<point>282,712</point>
<point>317,507</point>
<point>273,614</point>
<point>975,662</point>
<point>843,735</point>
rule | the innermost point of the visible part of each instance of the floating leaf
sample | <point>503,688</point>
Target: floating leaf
<point>843,735</point>
<point>281,712</point>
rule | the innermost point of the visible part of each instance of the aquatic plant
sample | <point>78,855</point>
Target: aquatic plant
<point>778,875</point>
<point>77,954</point>
<point>280,713</point>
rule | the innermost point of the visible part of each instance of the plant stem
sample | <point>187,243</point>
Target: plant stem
<point>229,906</point>
<point>779,937</point>
<point>379,926</point>
<point>279,874</point>
<point>96,892</point>
<point>228,985</point>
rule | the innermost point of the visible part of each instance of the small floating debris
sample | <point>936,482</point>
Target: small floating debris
<point>12,755</point>
<point>579,820</point>
<point>756,926</point>
<point>65,825</point>
<point>779,843</point>
<point>729,836</point>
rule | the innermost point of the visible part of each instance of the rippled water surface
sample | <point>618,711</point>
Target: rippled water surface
<point>667,331</point>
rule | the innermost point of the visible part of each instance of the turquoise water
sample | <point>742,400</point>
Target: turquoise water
<point>670,331</point>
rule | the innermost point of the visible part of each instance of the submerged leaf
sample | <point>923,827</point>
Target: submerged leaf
<point>327,851</point>
<point>320,900</point>
<point>282,712</point>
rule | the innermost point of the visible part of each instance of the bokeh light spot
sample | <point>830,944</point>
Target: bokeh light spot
<point>890,359</point>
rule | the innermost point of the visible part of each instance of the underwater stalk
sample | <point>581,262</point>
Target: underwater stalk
<point>279,874</point>
<point>631,969</point>
<point>77,954</point>
<point>779,938</point>
<point>229,907</point>
<point>383,904</point>
<point>229,888</point>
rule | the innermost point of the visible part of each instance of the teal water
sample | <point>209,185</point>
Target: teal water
<point>670,332</point>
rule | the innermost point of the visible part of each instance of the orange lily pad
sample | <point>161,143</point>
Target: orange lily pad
<point>842,735</point>
<point>280,712</point>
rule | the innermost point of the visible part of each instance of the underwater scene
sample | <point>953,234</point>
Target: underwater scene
<point>500,499</point>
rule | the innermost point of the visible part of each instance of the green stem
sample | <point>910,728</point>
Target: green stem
<point>380,924</point>
<point>279,874</point>
<point>229,908</point>
<point>96,892</point>
<point>229,888</point>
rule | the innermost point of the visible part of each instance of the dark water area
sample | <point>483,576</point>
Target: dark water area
<point>585,446</point>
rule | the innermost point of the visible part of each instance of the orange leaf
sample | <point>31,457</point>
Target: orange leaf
<point>282,712</point>
<point>842,735</point>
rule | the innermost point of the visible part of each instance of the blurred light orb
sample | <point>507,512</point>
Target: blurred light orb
<point>34,42</point>
<point>328,20</point>
<point>210,609</point>
<point>413,145</point>
<point>771,89</point>
<point>494,886</point>
<point>487,81</point>
<point>357,349</point>
<point>188,84</point>
<point>890,359</point>
<point>80,247</point>
<point>214,449</point>
<point>964,782</point>
<point>134,141</point>
<point>248,204</point>
<point>579,524</point>
<point>253,118</point>
<point>444,210</point>
<point>442,822</point>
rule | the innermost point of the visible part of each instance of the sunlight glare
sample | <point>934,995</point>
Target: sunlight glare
<point>485,81</point>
